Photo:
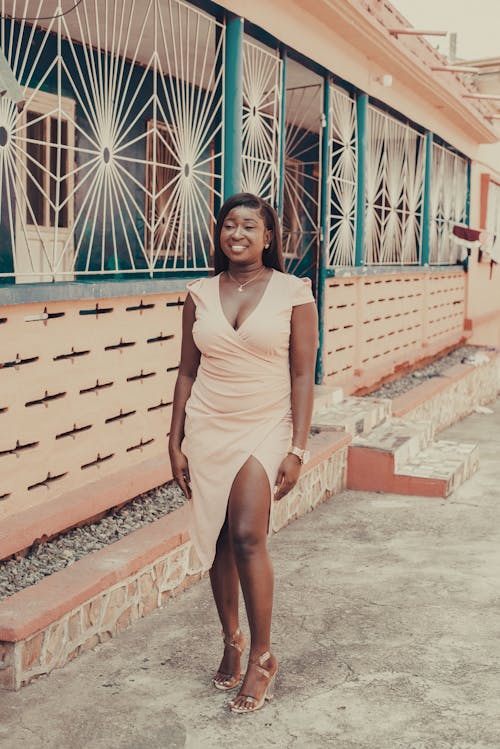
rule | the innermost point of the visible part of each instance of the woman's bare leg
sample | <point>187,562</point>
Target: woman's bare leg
<point>225,588</point>
<point>248,515</point>
<point>225,582</point>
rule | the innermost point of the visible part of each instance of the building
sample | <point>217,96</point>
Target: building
<point>139,118</point>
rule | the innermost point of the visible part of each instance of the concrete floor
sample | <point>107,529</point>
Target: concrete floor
<point>386,627</point>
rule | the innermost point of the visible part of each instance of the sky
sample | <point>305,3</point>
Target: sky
<point>477,23</point>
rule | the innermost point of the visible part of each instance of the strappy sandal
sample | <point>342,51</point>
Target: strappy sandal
<point>252,703</point>
<point>224,681</point>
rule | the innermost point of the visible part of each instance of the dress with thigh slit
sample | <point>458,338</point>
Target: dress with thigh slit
<point>240,400</point>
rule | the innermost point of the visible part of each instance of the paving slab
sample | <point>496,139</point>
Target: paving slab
<point>354,415</point>
<point>386,629</point>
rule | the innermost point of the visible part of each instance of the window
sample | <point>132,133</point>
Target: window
<point>293,198</point>
<point>162,172</point>
<point>166,231</point>
<point>43,246</point>
<point>47,170</point>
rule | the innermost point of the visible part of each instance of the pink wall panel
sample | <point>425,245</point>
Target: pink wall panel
<point>374,324</point>
<point>85,391</point>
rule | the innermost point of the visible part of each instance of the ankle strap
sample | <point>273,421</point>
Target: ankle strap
<point>263,658</point>
<point>258,664</point>
<point>231,640</point>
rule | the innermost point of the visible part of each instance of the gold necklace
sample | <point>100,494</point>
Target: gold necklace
<point>241,286</point>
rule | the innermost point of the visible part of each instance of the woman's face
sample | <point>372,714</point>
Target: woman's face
<point>244,235</point>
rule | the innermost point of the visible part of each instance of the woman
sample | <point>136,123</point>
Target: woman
<point>241,415</point>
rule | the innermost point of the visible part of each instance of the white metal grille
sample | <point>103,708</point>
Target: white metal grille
<point>448,203</point>
<point>394,188</point>
<point>138,124</point>
<point>301,178</point>
<point>261,120</point>
<point>342,180</point>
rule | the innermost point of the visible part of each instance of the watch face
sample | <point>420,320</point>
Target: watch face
<point>303,455</point>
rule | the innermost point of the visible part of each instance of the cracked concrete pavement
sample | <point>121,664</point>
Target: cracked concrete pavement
<point>386,629</point>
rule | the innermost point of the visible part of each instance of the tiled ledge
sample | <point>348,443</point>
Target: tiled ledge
<point>47,625</point>
<point>36,607</point>
<point>446,399</point>
<point>106,288</point>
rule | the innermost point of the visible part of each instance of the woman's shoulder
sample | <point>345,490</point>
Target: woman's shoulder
<point>292,280</point>
<point>300,289</point>
<point>198,285</point>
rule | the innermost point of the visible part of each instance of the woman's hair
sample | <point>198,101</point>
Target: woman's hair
<point>273,256</point>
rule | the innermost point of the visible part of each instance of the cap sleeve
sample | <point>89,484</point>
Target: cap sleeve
<point>194,288</point>
<point>301,291</point>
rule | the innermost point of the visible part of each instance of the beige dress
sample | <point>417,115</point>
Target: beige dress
<point>240,401</point>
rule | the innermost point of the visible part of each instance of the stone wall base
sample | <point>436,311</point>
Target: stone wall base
<point>446,399</point>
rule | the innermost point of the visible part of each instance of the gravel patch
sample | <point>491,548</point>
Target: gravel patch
<point>462,355</point>
<point>45,559</point>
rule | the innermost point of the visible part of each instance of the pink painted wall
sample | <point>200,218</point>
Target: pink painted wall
<point>483,278</point>
<point>483,302</point>
<point>379,323</point>
<point>83,398</point>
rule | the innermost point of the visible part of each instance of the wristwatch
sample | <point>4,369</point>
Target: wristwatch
<point>302,455</point>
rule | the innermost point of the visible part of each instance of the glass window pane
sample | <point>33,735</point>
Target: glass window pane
<point>63,185</point>
<point>35,149</point>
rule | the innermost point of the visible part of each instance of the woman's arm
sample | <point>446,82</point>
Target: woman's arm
<point>303,349</point>
<point>188,367</point>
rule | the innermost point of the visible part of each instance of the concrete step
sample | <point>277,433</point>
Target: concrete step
<point>325,397</point>
<point>442,467</point>
<point>354,415</point>
<point>397,459</point>
<point>396,440</point>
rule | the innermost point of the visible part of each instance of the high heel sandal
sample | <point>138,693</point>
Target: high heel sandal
<point>237,641</point>
<point>252,702</point>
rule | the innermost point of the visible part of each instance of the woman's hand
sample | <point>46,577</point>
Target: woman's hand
<point>180,470</point>
<point>288,475</point>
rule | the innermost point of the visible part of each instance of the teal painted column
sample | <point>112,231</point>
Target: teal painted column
<point>281,175</point>
<point>362,146</point>
<point>324,225</point>
<point>233,105</point>
<point>426,202</point>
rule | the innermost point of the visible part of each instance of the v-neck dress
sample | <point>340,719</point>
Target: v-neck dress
<point>240,403</point>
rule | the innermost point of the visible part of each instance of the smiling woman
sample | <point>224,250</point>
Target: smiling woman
<point>241,416</point>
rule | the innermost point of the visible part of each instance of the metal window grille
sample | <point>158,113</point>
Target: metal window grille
<point>301,173</point>
<point>145,81</point>
<point>261,120</point>
<point>448,203</point>
<point>342,180</point>
<point>394,189</point>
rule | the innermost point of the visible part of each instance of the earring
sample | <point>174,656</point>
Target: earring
<point>266,246</point>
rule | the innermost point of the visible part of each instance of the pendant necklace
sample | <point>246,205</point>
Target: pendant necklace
<point>241,286</point>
